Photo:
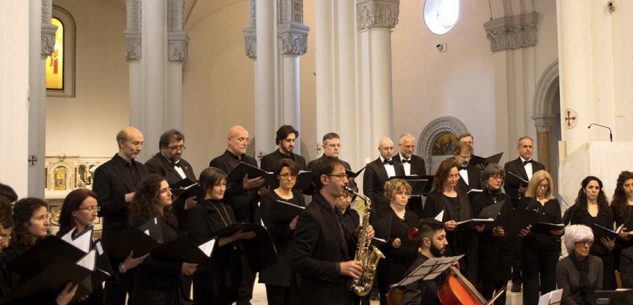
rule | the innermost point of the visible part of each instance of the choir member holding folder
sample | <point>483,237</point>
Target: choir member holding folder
<point>622,206</point>
<point>157,281</point>
<point>280,211</point>
<point>217,282</point>
<point>591,209</point>
<point>31,226</point>
<point>540,250</point>
<point>446,196</point>
<point>494,247</point>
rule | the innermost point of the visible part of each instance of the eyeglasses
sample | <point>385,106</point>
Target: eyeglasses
<point>496,177</point>
<point>91,208</point>
<point>287,175</point>
<point>5,238</point>
<point>340,176</point>
<point>582,242</point>
<point>181,147</point>
<point>407,194</point>
<point>334,145</point>
<point>542,186</point>
<point>453,176</point>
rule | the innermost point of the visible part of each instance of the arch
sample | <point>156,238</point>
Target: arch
<point>70,47</point>
<point>437,127</point>
<point>546,91</point>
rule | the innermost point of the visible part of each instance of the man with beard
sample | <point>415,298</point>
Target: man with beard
<point>115,183</point>
<point>286,137</point>
<point>469,174</point>
<point>475,160</point>
<point>432,245</point>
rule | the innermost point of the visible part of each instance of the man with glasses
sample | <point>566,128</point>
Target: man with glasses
<point>323,252</point>
<point>469,174</point>
<point>168,162</point>
<point>286,137</point>
<point>331,148</point>
<point>115,183</point>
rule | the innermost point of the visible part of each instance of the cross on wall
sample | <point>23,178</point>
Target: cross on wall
<point>32,160</point>
<point>569,119</point>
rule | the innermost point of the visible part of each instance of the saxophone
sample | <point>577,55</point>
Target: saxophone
<point>365,253</point>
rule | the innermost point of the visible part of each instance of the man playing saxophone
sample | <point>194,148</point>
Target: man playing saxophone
<point>324,249</point>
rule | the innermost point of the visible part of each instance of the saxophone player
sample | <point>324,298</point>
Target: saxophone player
<point>324,249</point>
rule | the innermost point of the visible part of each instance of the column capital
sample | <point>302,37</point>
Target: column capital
<point>375,14</point>
<point>250,33</point>
<point>544,122</point>
<point>178,47</point>
<point>132,35</point>
<point>510,33</point>
<point>48,30</point>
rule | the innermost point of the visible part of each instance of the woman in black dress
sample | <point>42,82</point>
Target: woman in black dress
<point>281,281</point>
<point>494,248</point>
<point>394,227</point>
<point>31,224</point>
<point>216,282</point>
<point>622,206</point>
<point>448,198</point>
<point>157,281</point>
<point>592,207</point>
<point>540,251</point>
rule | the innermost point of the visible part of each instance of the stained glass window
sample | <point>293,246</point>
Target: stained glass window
<point>55,61</point>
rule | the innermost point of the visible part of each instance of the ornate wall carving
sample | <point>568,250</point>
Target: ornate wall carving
<point>178,41</point>
<point>373,14</point>
<point>250,33</point>
<point>431,132</point>
<point>510,33</point>
<point>132,34</point>
<point>48,30</point>
<point>292,34</point>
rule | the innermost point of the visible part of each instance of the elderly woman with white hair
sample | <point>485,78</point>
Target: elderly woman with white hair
<point>579,274</point>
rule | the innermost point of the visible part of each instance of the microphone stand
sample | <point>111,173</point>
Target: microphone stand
<point>610,133</point>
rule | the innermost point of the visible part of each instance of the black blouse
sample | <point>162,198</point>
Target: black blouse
<point>548,213</point>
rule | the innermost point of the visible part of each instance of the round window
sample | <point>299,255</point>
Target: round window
<point>441,15</point>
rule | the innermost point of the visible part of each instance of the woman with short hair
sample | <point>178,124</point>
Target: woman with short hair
<point>580,273</point>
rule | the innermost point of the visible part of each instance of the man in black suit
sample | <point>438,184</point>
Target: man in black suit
<point>413,166</point>
<point>331,148</point>
<point>376,174</point>
<point>241,197</point>
<point>520,171</point>
<point>115,182</point>
<point>518,174</point>
<point>323,253</point>
<point>469,174</point>
<point>286,137</point>
<point>475,160</point>
<point>168,162</point>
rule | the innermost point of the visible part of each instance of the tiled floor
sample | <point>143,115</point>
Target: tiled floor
<point>259,296</point>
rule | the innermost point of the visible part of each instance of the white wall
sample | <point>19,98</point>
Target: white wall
<point>87,124</point>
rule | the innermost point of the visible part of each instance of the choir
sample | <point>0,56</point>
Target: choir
<point>167,232</point>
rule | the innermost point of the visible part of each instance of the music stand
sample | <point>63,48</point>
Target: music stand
<point>428,270</point>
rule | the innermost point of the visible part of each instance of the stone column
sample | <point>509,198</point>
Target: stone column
<point>325,102</point>
<point>178,51</point>
<point>265,85</point>
<point>42,44</point>
<point>544,124</point>
<point>376,19</point>
<point>292,43</point>
<point>14,94</point>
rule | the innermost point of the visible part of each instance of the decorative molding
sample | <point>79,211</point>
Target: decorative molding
<point>48,30</point>
<point>511,33</point>
<point>132,36</point>
<point>546,90</point>
<point>544,122</point>
<point>377,14</point>
<point>293,39</point>
<point>176,15</point>
<point>437,127</point>
<point>250,33</point>
<point>290,11</point>
<point>178,46</point>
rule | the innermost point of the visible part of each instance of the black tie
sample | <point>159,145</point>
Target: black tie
<point>406,161</point>
<point>390,162</point>
<point>527,162</point>
<point>175,164</point>
<point>463,168</point>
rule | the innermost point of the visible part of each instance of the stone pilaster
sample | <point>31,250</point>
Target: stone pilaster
<point>250,33</point>
<point>544,124</point>
<point>178,40</point>
<point>510,33</point>
<point>48,30</point>
<point>132,36</point>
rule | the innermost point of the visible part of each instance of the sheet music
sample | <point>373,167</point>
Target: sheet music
<point>82,242</point>
<point>428,270</point>
<point>88,261</point>
<point>291,204</point>
<point>551,298</point>
<point>146,232</point>
<point>440,216</point>
<point>99,248</point>
<point>207,247</point>
<point>513,174</point>
<point>476,220</point>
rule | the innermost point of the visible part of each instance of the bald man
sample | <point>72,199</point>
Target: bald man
<point>377,173</point>
<point>115,182</point>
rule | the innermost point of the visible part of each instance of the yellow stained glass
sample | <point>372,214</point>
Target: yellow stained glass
<point>55,61</point>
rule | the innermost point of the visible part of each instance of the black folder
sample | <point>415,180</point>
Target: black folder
<point>417,184</point>
<point>351,174</point>
<point>237,174</point>
<point>260,250</point>
<point>182,249</point>
<point>600,231</point>
<point>135,239</point>
<point>428,186</point>
<point>186,188</point>
<point>517,220</point>
<point>545,228</point>
<point>280,211</point>
<point>491,211</point>
<point>103,269</point>
<point>47,284</point>
<point>304,180</point>
<point>42,254</point>
<point>493,159</point>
